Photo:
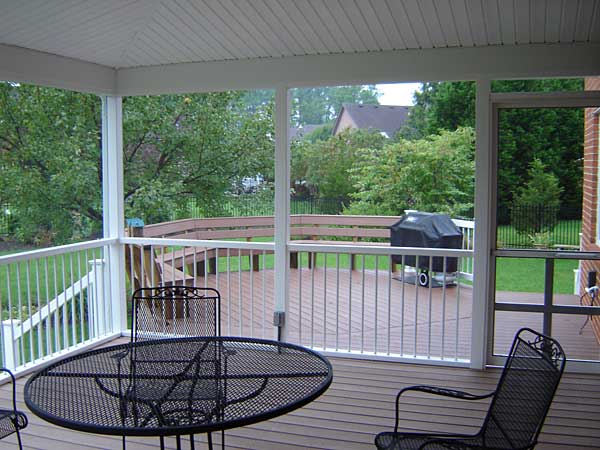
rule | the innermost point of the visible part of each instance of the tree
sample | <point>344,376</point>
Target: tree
<point>322,168</point>
<point>554,136</point>
<point>434,174</point>
<point>175,146</point>
<point>536,205</point>
<point>50,159</point>
<point>197,145</point>
<point>318,105</point>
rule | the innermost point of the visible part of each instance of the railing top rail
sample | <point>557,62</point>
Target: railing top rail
<point>183,227</point>
<point>378,250</point>
<point>199,243</point>
<point>59,250</point>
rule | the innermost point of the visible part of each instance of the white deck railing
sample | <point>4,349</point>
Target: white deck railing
<point>55,302</point>
<point>348,299</point>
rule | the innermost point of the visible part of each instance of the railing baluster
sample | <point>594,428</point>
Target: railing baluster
<point>416,304</point>
<point>264,291</point>
<point>350,302</point>
<point>239,261</point>
<point>229,312</point>
<point>402,305</point>
<point>71,284</point>
<point>430,274</point>
<point>48,318</point>
<point>39,307</point>
<point>444,308</point>
<point>312,300</point>
<point>337,302</point>
<point>251,274</point>
<point>389,310</point>
<point>29,308</point>
<point>80,278</point>
<point>362,307</point>
<point>324,300</point>
<point>20,310</point>
<point>300,297</point>
<point>376,301</point>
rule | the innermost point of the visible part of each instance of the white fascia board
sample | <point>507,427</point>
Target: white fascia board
<point>492,62</point>
<point>29,66</point>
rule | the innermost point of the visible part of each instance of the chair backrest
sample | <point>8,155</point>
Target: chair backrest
<point>175,311</point>
<point>525,390</point>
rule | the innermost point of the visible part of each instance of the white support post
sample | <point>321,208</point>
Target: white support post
<point>11,351</point>
<point>282,209</point>
<point>100,308</point>
<point>483,225</point>
<point>113,209</point>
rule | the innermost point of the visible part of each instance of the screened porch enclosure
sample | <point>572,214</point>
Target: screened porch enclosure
<point>381,330</point>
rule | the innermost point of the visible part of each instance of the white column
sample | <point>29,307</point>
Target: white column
<point>112,196</point>
<point>483,225</point>
<point>282,203</point>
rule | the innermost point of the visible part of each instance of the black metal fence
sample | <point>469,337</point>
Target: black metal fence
<point>255,205</point>
<point>539,226</point>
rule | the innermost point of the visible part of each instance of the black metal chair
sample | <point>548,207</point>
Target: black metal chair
<point>12,420</point>
<point>171,312</point>
<point>518,406</point>
<point>175,311</point>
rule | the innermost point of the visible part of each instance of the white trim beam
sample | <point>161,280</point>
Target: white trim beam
<point>443,64</point>
<point>483,225</point>
<point>113,206</point>
<point>29,66</point>
<point>282,201</point>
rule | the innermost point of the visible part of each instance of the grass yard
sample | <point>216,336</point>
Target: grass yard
<point>527,275</point>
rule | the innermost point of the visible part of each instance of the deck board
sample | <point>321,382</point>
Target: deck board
<point>359,404</point>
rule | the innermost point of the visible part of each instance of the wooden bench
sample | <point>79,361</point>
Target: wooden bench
<point>137,261</point>
<point>321,229</point>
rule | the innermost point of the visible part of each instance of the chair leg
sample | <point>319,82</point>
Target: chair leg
<point>19,440</point>
<point>192,444</point>
<point>210,445</point>
<point>222,439</point>
<point>162,443</point>
<point>123,442</point>
<point>178,440</point>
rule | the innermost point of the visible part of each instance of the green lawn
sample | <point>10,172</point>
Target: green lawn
<point>527,275</point>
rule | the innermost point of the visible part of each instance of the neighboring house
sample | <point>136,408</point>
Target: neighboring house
<point>387,119</point>
<point>590,225</point>
<point>298,133</point>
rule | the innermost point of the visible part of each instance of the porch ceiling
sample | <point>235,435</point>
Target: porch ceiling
<point>111,40</point>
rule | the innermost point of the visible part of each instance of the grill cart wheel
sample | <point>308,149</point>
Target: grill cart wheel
<point>424,278</point>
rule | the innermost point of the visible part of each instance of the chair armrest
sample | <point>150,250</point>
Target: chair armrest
<point>462,395</point>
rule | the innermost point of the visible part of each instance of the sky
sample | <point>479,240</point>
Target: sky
<point>397,94</point>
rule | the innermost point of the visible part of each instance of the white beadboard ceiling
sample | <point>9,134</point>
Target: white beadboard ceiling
<point>137,33</point>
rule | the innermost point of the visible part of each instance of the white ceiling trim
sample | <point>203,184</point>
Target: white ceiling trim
<point>493,62</point>
<point>30,66</point>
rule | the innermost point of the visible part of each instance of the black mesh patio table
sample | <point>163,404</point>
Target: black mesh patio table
<point>174,387</point>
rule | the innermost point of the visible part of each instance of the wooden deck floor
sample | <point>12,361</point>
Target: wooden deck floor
<point>358,405</point>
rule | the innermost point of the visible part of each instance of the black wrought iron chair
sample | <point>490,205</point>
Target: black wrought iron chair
<point>175,311</point>
<point>12,420</point>
<point>172,312</point>
<point>518,406</point>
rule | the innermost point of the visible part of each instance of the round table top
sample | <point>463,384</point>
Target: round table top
<point>177,386</point>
